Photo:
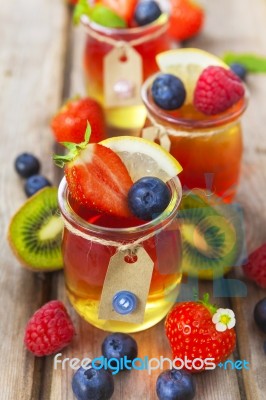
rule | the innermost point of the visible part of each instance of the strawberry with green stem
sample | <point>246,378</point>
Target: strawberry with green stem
<point>198,330</point>
<point>96,177</point>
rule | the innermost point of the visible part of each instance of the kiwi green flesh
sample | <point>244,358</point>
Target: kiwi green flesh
<point>35,232</point>
<point>211,237</point>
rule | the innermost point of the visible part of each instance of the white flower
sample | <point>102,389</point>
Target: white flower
<point>224,318</point>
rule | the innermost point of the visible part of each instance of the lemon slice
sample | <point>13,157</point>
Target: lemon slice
<point>187,64</point>
<point>143,157</point>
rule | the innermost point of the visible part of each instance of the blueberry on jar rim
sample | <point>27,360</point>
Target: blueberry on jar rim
<point>168,92</point>
<point>147,11</point>
<point>148,198</point>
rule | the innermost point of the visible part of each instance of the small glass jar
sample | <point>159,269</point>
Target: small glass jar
<point>209,148</point>
<point>86,260</point>
<point>151,40</point>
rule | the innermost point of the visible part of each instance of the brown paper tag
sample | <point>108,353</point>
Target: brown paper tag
<point>122,77</point>
<point>152,133</point>
<point>133,277</point>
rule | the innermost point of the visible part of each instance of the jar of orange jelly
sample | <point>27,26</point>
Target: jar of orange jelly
<point>209,148</point>
<point>116,62</point>
<point>121,275</point>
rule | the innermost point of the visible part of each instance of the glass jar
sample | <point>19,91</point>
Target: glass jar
<point>87,251</point>
<point>148,41</point>
<point>209,148</point>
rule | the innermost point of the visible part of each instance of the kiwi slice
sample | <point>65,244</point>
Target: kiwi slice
<point>35,232</point>
<point>212,236</point>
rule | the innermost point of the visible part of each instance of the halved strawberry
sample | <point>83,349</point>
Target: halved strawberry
<point>124,8</point>
<point>96,177</point>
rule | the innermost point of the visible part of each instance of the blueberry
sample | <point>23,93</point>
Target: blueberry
<point>35,183</point>
<point>260,314</point>
<point>168,92</point>
<point>173,384</point>
<point>26,165</point>
<point>119,345</point>
<point>148,198</point>
<point>239,70</point>
<point>92,384</point>
<point>146,12</point>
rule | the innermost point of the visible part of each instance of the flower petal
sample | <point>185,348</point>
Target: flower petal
<point>231,323</point>
<point>220,327</point>
<point>216,318</point>
<point>230,313</point>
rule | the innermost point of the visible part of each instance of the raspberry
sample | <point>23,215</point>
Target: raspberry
<point>217,90</point>
<point>255,269</point>
<point>49,330</point>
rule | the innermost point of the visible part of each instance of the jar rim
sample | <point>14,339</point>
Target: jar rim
<point>160,21</point>
<point>162,220</point>
<point>185,123</point>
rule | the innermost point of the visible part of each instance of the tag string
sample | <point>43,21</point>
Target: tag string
<point>121,43</point>
<point>163,131</point>
<point>119,245</point>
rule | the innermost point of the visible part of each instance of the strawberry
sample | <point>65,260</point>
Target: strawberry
<point>197,330</point>
<point>70,123</point>
<point>124,8</point>
<point>96,177</point>
<point>186,19</point>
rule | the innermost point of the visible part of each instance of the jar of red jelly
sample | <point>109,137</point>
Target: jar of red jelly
<point>90,240</point>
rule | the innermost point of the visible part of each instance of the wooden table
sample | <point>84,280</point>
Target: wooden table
<point>40,65</point>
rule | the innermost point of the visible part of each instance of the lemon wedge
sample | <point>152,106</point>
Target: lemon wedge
<point>187,64</point>
<point>143,157</point>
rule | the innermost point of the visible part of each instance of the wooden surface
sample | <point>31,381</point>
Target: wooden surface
<point>40,65</point>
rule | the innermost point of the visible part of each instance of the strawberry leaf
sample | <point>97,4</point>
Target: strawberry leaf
<point>82,8</point>
<point>252,62</point>
<point>74,149</point>
<point>106,17</point>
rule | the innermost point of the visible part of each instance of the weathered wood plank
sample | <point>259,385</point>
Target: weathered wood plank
<point>230,26</point>
<point>31,69</point>
<point>32,88</point>
<point>235,34</point>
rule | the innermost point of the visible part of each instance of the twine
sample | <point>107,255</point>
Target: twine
<point>121,43</point>
<point>164,131</point>
<point>132,246</point>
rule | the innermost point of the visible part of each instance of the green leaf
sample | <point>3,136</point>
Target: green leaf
<point>82,8</point>
<point>106,17</point>
<point>252,62</point>
<point>74,149</point>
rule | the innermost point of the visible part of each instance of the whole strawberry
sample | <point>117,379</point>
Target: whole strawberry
<point>255,269</point>
<point>49,330</point>
<point>70,123</point>
<point>186,19</point>
<point>198,331</point>
<point>217,89</point>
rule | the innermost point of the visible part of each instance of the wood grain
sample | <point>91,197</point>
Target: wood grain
<point>32,55</point>
<point>40,66</point>
<point>230,26</point>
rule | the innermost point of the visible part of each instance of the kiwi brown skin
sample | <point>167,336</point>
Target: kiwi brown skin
<point>48,194</point>
<point>199,212</point>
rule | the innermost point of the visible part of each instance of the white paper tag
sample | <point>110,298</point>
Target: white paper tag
<point>122,77</point>
<point>124,276</point>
